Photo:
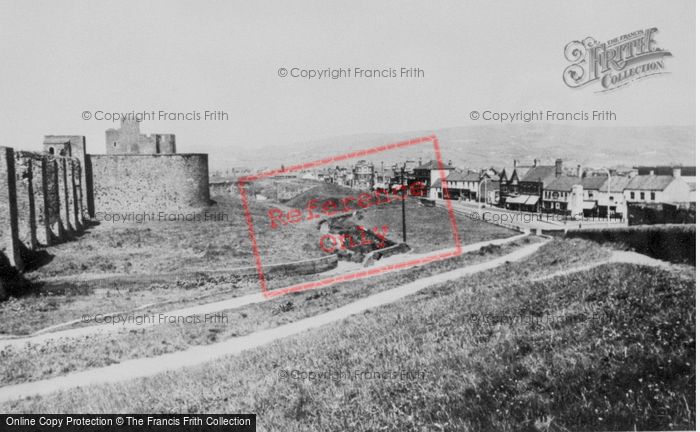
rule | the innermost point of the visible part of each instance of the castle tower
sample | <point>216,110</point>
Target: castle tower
<point>128,139</point>
<point>57,145</point>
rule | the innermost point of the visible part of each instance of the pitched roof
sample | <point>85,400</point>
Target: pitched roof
<point>617,184</point>
<point>563,183</point>
<point>593,182</point>
<point>543,173</point>
<point>520,170</point>
<point>433,165</point>
<point>457,175</point>
<point>473,177</point>
<point>649,182</point>
<point>686,171</point>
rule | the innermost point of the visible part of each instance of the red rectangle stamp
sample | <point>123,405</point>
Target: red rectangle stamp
<point>358,237</point>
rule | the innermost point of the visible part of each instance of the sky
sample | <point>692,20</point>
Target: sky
<point>63,58</point>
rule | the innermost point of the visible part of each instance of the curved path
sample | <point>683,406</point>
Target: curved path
<point>144,367</point>
<point>209,308</point>
<point>623,257</point>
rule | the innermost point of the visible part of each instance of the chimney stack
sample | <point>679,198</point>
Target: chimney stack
<point>578,171</point>
<point>676,172</point>
<point>515,163</point>
<point>558,167</point>
<point>535,162</point>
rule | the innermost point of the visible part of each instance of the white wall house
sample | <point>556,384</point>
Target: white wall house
<point>612,198</point>
<point>658,189</point>
<point>559,196</point>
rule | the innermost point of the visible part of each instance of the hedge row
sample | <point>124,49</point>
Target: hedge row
<point>674,243</point>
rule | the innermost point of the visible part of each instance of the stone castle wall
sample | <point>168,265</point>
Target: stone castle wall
<point>46,198</point>
<point>40,205</point>
<point>148,183</point>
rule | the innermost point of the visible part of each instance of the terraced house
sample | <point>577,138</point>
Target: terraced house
<point>563,195</point>
<point>469,185</point>
<point>461,185</point>
<point>527,194</point>
<point>654,188</point>
<point>509,181</point>
<point>611,197</point>
<point>427,173</point>
<point>591,194</point>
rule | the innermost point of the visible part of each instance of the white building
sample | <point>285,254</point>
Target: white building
<point>659,189</point>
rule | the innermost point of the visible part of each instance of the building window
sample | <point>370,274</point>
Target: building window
<point>641,195</point>
<point>590,194</point>
<point>653,195</point>
<point>631,195</point>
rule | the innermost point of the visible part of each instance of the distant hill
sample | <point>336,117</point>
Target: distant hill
<point>499,145</point>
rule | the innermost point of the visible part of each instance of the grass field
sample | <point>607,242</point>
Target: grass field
<point>605,349</point>
<point>37,361</point>
<point>428,228</point>
<point>174,247</point>
<point>164,246</point>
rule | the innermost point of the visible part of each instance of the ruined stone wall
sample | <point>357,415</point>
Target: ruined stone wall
<point>46,199</point>
<point>148,183</point>
<point>9,236</point>
<point>25,199</point>
<point>40,204</point>
<point>53,202</point>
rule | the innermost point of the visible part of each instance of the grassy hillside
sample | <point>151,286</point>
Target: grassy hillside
<point>222,241</point>
<point>607,349</point>
<point>47,359</point>
<point>321,193</point>
<point>428,228</point>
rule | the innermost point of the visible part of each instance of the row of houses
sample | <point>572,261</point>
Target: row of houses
<point>365,175</point>
<point>554,189</point>
<point>533,187</point>
<point>551,189</point>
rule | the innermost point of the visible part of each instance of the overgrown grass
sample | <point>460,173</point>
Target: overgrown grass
<point>51,358</point>
<point>427,228</point>
<point>620,356</point>
<point>151,247</point>
<point>164,247</point>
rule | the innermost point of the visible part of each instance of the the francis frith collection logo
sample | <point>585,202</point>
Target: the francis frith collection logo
<point>615,63</point>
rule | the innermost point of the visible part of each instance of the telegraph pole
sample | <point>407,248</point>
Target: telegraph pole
<point>403,202</point>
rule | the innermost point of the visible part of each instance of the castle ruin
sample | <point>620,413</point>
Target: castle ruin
<point>128,139</point>
<point>47,197</point>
